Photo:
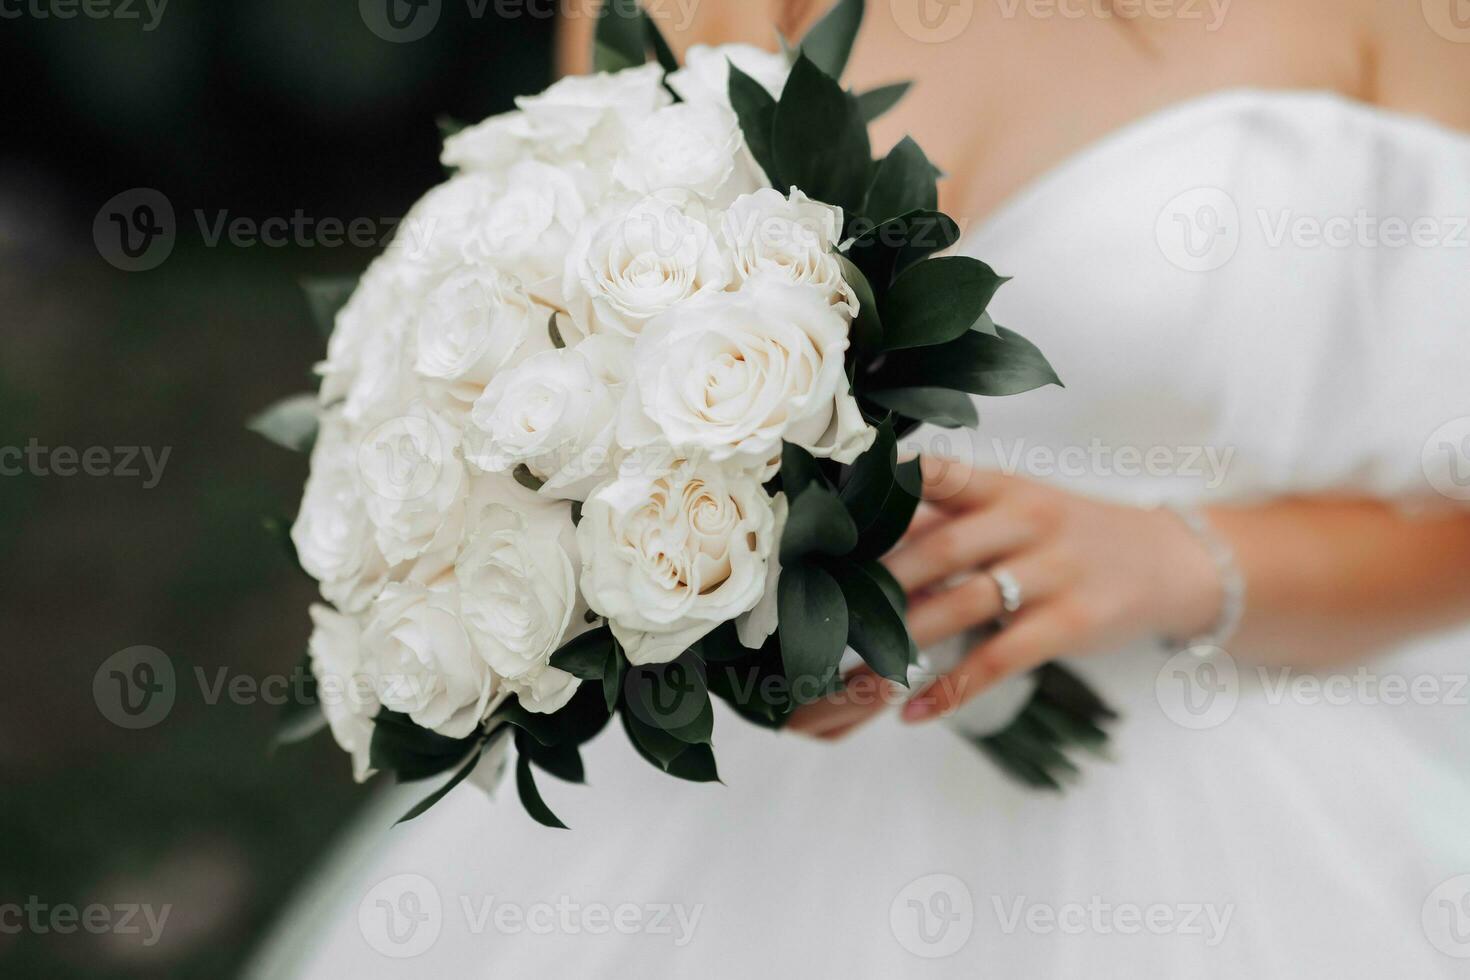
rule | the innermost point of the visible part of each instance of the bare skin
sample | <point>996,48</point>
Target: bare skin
<point>1330,579</point>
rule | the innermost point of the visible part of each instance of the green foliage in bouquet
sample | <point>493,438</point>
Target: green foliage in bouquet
<point>921,345</point>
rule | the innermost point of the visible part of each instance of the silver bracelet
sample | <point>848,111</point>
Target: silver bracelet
<point>1232,582</point>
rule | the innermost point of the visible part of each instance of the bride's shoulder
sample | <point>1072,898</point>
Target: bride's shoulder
<point>1420,53</point>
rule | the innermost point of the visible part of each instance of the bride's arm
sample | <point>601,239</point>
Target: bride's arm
<point>1334,580</point>
<point>1327,580</point>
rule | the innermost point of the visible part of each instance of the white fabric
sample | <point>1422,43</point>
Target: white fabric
<point>1322,830</point>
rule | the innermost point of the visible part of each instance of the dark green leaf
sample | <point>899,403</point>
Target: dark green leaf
<point>867,329</point>
<point>721,645</point>
<point>672,697</point>
<point>939,406</point>
<point>829,43</point>
<point>817,523</point>
<point>526,478</point>
<point>612,676</point>
<point>301,716</point>
<point>531,796</point>
<point>798,470</point>
<point>874,628</point>
<point>975,362</point>
<point>423,805</point>
<point>654,744</point>
<point>812,626</point>
<point>661,49</point>
<point>280,531</point>
<point>554,333</point>
<point>410,752</point>
<point>620,40</point>
<point>696,764</point>
<point>562,761</point>
<point>875,102</point>
<point>756,109</point>
<point>820,141</point>
<point>290,423</point>
<point>936,301</point>
<point>905,181</point>
<point>576,723</point>
<point>891,520</point>
<point>885,581</point>
<point>585,656</point>
<point>886,249</point>
<point>1059,686</point>
<point>448,126</point>
<point>326,296</point>
<point>871,480</point>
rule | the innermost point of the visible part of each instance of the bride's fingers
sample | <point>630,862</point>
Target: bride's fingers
<point>925,518</point>
<point>976,599</point>
<point>954,486</point>
<point>1037,635</point>
<point>862,696</point>
<point>976,538</point>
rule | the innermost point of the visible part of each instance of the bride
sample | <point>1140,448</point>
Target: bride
<point>1239,233</point>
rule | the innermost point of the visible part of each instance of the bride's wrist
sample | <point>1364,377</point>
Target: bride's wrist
<point>1194,569</point>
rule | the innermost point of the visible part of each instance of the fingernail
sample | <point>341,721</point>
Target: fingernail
<point>920,708</point>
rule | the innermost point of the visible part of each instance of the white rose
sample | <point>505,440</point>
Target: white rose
<point>344,684</point>
<point>736,374</point>
<point>695,148</point>
<point>489,146</point>
<point>631,262</point>
<point>791,238</point>
<point>517,581</point>
<point>425,666</point>
<point>544,691</point>
<point>705,77</point>
<point>367,366</point>
<point>556,414</point>
<point>432,239</point>
<point>415,483</point>
<point>580,117</point>
<point>475,323</point>
<point>670,552</point>
<point>332,534</point>
<point>528,226</point>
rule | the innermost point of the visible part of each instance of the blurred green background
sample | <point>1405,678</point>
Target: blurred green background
<point>256,111</point>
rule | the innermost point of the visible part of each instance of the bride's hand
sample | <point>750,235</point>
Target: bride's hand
<point>1092,575</point>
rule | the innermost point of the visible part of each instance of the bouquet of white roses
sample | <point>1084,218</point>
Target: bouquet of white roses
<point>611,427</point>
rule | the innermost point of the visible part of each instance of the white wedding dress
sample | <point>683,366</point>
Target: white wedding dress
<point>1242,829</point>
